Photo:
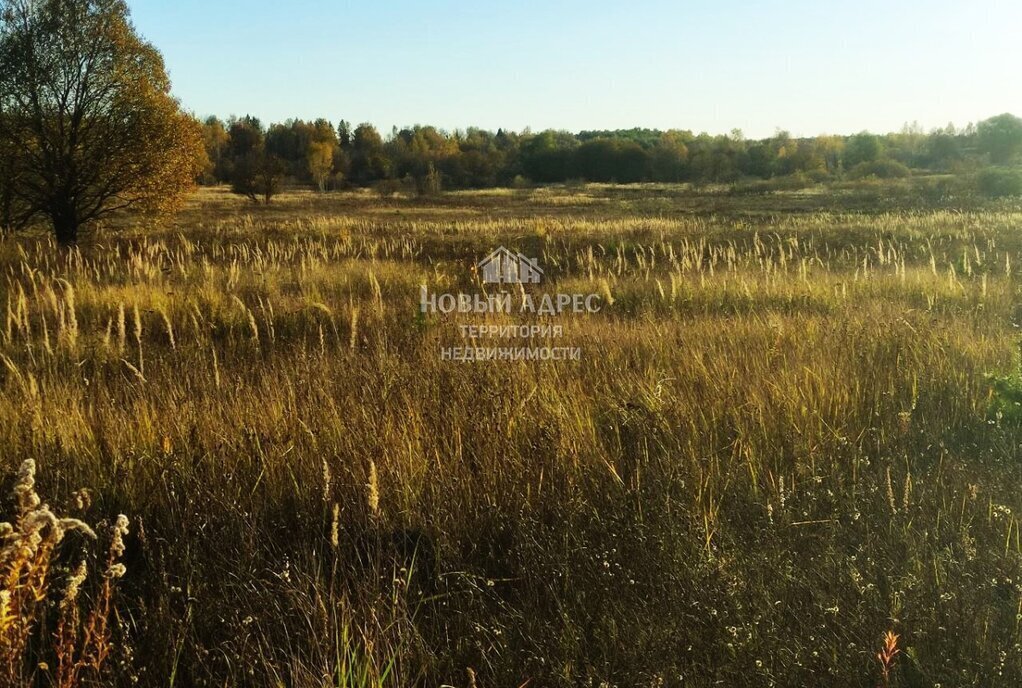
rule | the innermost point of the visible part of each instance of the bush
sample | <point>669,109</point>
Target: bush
<point>939,190</point>
<point>789,182</point>
<point>881,169</point>
<point>431,184</point>
<point>998,182</point>
<point>258,175</point>
<point>817,176</point>
<point>1005,398</point>
<point>385,188</point>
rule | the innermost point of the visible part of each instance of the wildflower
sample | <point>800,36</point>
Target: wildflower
<point>6,616</point>
<point>24,486</point>
<point>887,654</point>
<point>82,499</point>
<point>66,524</point>
<point>120,530</point>
<point>74,584</point>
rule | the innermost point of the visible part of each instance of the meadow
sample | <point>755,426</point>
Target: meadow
<point>793,429</point>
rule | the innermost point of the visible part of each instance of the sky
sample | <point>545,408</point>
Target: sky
<point>808,67</point>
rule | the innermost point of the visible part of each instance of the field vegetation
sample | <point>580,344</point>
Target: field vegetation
<point>789,454</point>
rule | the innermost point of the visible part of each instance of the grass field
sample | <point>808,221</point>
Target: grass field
<point>780,442</point>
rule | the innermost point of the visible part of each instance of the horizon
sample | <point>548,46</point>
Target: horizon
<point>805,69</point>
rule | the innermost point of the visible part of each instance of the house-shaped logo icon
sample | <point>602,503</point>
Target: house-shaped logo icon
<point>504,266</point>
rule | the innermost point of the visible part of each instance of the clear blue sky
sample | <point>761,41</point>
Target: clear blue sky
<point>809,67</point>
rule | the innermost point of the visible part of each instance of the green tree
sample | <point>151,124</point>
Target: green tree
<point>369,162</point>
<point>215,140</point>
<point>830,148</point>
<point>862,148</point>
<point>1000,137</point>
<point>785,158</point>
<point>941,150</point>
<point>477,161</point>
<point>717,158</point>
<point>344,134</point>
<point>289,142</point>
<point>244,136</point>
<point>669,157</point>
<point>611,159</point>
<point>548,156</point>
<point>258,175</point>
<point>85,107</point>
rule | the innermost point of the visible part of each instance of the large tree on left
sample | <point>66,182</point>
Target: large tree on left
<point>87,123</point>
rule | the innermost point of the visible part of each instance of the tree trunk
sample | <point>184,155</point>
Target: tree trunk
<point>6,212</point>
<point>65,227</point>
<point>7,200</point>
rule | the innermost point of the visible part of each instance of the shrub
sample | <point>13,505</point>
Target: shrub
<point>385,188</point>
<point>881,169</point>
<point>258,175</point>
<point>1005,397</point>
<point>1006,394</point>
<point>938,191</point>
<point>789,182</point>
<point>431,184</point>
<point>817,176</point>
<point>997,182</point>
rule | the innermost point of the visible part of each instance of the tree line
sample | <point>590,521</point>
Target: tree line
<point>258,160</point>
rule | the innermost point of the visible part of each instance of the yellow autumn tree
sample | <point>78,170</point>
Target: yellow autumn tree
<point>85,104</point>
<point>320,158</point>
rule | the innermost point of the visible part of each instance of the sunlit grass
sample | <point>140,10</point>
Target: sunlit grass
<point>776,447</point>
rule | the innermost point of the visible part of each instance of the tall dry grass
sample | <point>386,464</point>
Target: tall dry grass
<point>777,446</point>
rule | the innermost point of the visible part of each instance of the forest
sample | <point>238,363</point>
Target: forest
<point>257,158</point>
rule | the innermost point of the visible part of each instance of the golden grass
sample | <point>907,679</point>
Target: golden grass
<point>776,445</point>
